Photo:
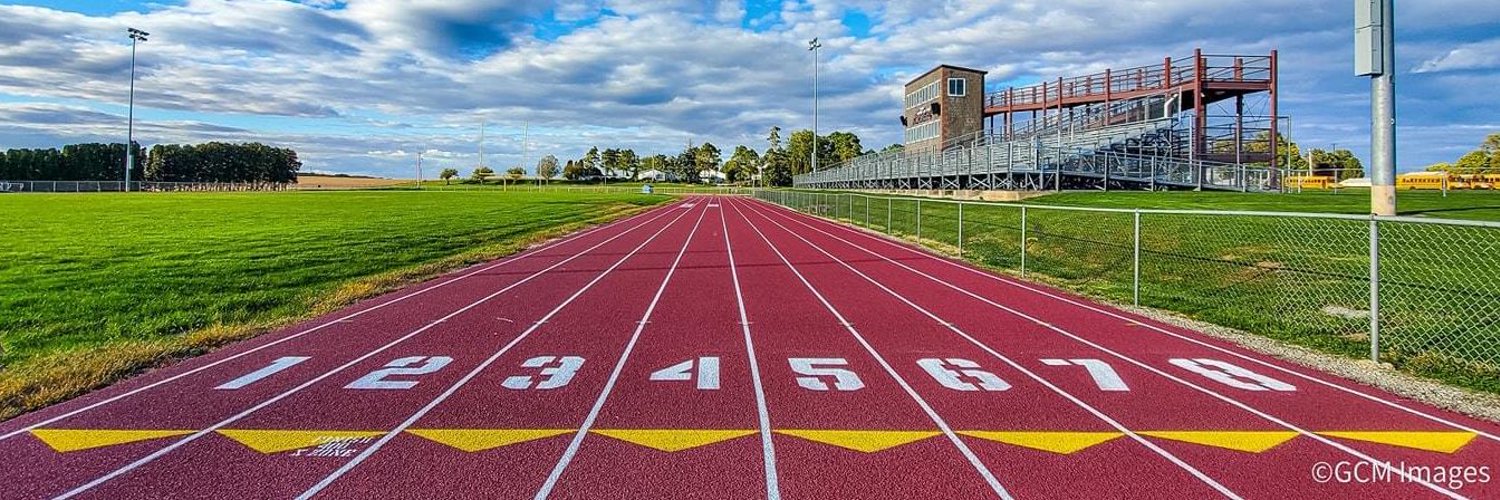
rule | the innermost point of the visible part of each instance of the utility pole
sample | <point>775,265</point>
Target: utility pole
<point>813,46</point>
<point>136,36</point>
<point>419,170</point>
<point>1375,56</point>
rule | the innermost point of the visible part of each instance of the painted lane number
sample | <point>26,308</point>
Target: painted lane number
<point>814,370</point>
<point>255,376</point>
<point>1104,375</point>
<point>410,365</point>
<point>950,373</point>
<point>1232,375</point>
<point>707,373</point>
<point>556,372</point>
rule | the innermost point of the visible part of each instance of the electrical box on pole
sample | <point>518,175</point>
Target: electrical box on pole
<point>1369,33</point>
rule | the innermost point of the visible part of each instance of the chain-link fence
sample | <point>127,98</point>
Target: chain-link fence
<point>1420,293</point>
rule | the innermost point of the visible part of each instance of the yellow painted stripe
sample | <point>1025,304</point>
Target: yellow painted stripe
<point>474,440</point>
<point>863,441</point>
<point>1441,442</point>
<point>66,440</point>
<point>1247,441</point>
<point>1065,443</point>
<point>279,440</point>
<point>673,439</point>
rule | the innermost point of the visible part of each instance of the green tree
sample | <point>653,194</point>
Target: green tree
<point>610,161</point>
<point>1440,167</point>
<point>1476,161</point>
<point>546,168</point>
<point>845,146</point>
<point>742,165</point>
<point>448,174</point>
<point>630,163</point>
<point>516,173</point>
<point>893,147</point>
<point>590,161</point>
<point>481,174</point>
<point>707,157</point>
<point>778,171</point>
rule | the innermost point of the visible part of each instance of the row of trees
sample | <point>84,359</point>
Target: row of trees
<point>210,162</point>
<point>1483,160</point>
<point>74,162</point>
<point>781,160</point>
<point>222,162</point>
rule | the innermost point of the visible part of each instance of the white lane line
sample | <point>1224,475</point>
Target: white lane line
<point>380,443</point>
<point>1017,366</point>
<point>942,425</point>
<point>195,436</point>
<point>153,385</point>
<point>614,376</point>
<point>1408,477</point>
<point>1022,285</point>
<point>773,488</point>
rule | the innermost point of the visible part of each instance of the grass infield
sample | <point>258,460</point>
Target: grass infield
<point>96,287</point>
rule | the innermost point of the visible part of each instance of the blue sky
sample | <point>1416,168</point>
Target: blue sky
<point>360,86</point>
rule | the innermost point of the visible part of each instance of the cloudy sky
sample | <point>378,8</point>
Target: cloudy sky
<point>360,86</point>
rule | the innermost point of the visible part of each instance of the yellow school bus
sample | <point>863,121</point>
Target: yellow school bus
<point>1308,181</point>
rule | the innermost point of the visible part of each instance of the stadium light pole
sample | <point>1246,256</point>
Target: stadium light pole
<point>813,46</point>
<point>1375,57</point>
<point>136,36</point>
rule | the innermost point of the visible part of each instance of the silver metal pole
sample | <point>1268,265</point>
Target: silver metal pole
<point>130,126</point>
<point>919,221</point>
<point>814,45</point>
<point>1023,241</point>
<point>1383,119</point>
<point>1136,287</point>
<point>1374,289</point>
<point>888,216</point>
<point>960,228</point>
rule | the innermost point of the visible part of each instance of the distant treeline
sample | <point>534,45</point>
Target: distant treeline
<point>209,162</point>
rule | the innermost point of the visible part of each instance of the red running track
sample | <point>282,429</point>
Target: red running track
<point>728,348</point>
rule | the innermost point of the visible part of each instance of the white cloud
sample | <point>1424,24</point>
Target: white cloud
<point>1480,55</point>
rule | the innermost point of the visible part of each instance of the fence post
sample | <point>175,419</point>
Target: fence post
<point>1136,287</point>
<point>919,221</point>
<point>960,228</point>
<point>867,211</point>
<point>1023,241</point>
<point>1374,289</point>
<point>888,216</point>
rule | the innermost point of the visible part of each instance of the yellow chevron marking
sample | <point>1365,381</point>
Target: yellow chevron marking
<point>276,440</point>
<point>472,440</point>
<point>863,441</point>
<point>673,439</point>
<point>1065,443</point>
<point>1247,441</point>
<point>66,440</point>
<point>1441,442</point>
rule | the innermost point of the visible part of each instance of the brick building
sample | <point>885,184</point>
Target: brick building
<point>944,103</point>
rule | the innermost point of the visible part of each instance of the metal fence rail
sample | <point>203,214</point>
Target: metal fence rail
<point>1420,293</point>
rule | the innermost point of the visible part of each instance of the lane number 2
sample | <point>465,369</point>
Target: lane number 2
<point>410,365</point>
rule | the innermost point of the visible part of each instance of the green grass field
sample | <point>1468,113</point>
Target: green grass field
<point>1299,280</point>
<point>1472,205</point>
<point>96,286</point>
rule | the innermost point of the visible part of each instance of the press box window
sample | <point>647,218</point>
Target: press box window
<point>957,87</point>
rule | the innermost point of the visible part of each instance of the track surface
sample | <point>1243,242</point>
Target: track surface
<point>728,348</point>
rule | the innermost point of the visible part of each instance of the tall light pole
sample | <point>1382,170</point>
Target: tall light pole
<point>136,36</point>
<point>813,46</point>
<point>1375,56</point>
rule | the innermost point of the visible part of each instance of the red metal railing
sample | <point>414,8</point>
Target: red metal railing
<point>1132,82</point>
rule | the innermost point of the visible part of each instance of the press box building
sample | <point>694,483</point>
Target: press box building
<point>944,103</point>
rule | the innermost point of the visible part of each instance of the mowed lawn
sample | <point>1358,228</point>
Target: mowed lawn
<point>94,287</point>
